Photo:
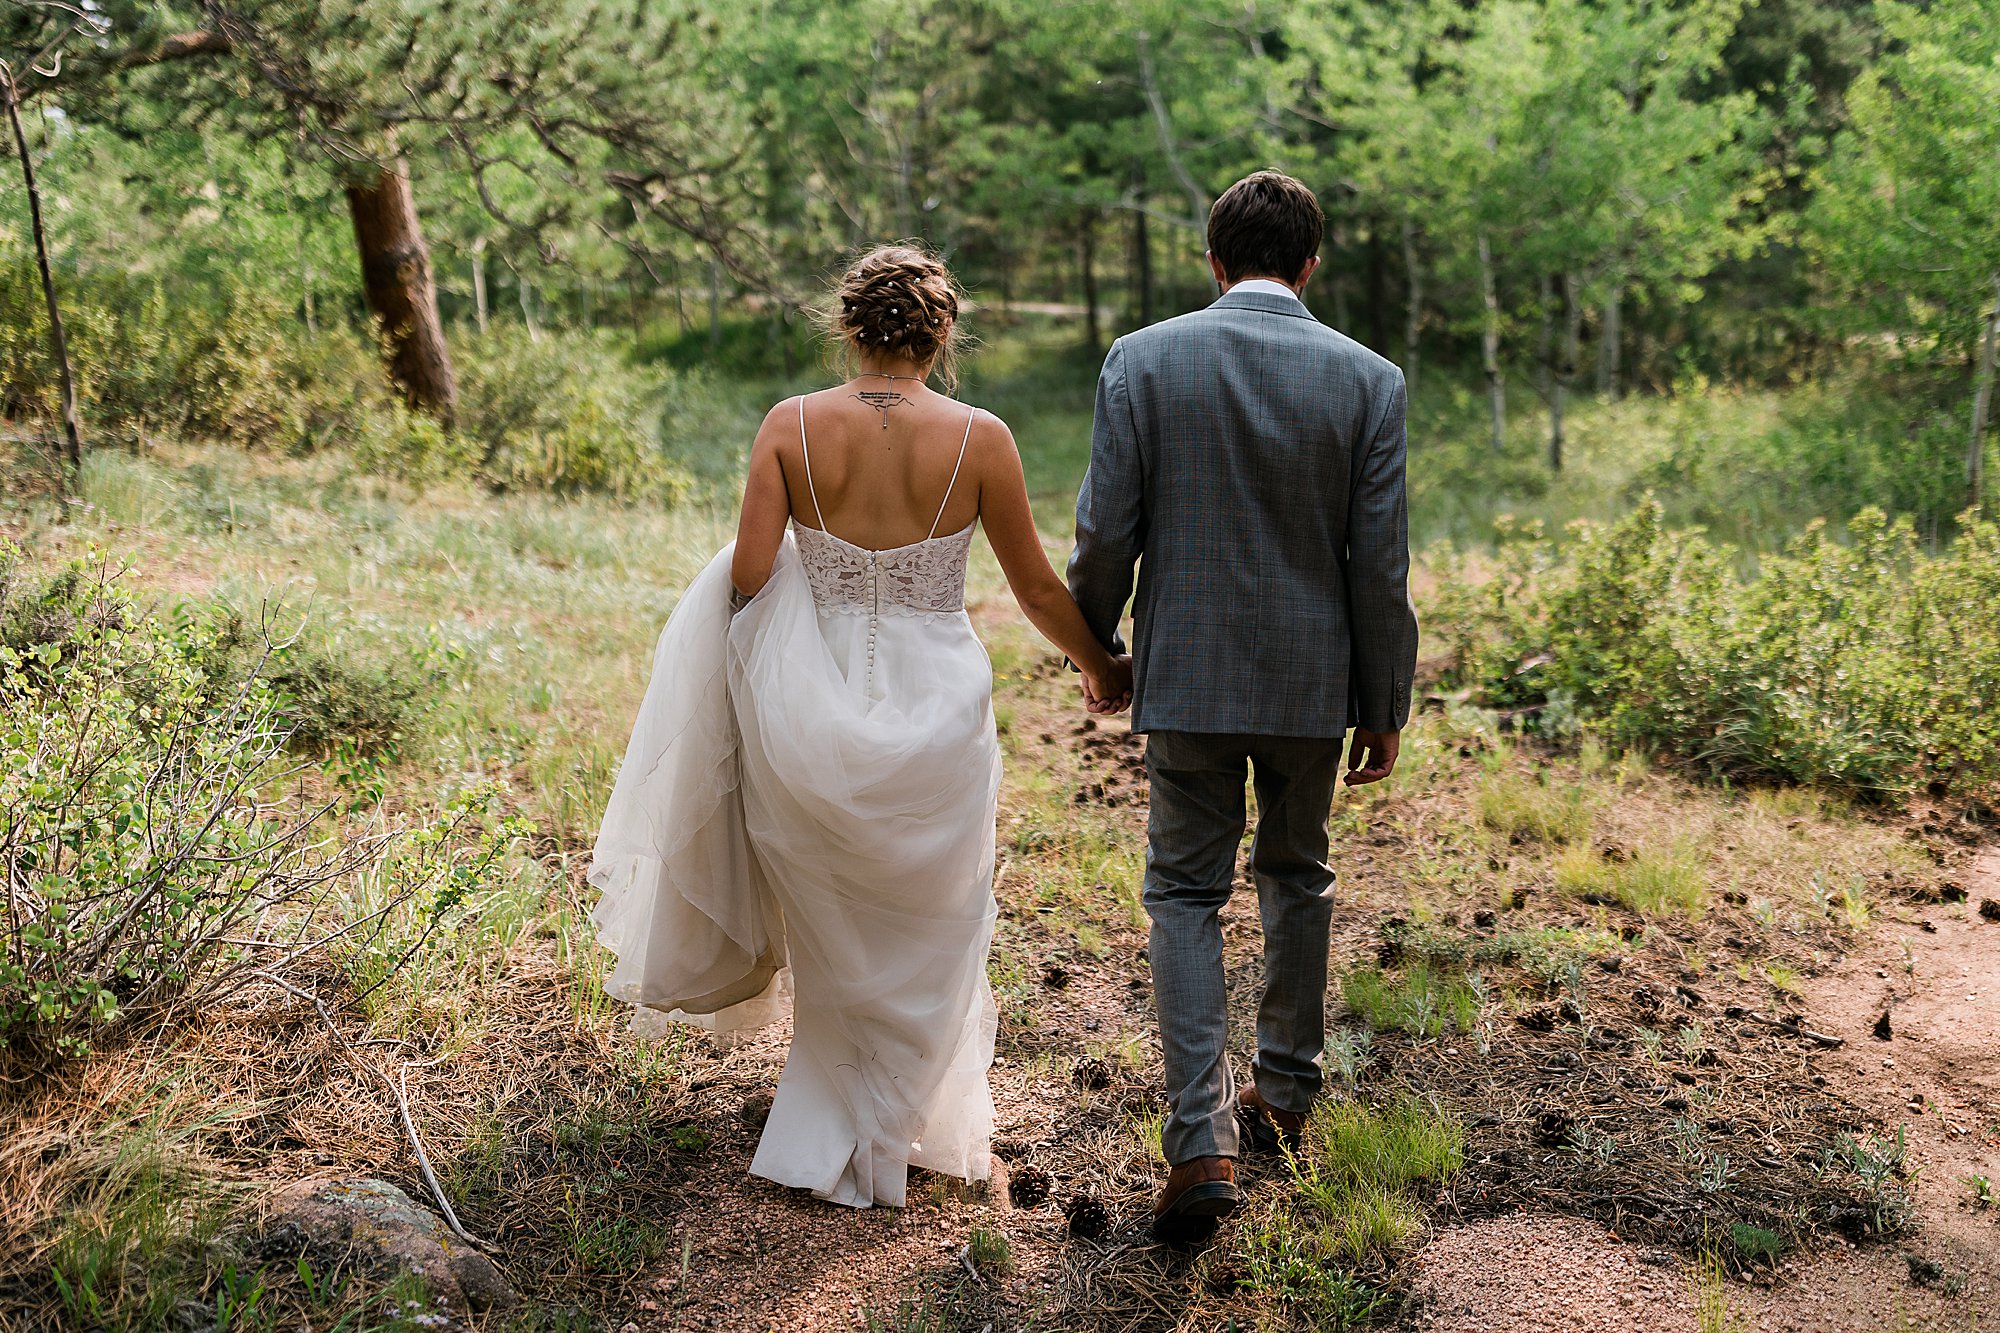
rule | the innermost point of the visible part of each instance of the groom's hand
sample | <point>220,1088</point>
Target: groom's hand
<point>1371,755</point>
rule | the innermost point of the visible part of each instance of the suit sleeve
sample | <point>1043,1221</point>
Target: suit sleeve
<point>1383,621</point>
<point>1110,509</point>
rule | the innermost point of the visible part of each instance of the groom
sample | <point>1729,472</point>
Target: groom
<point>1249,459</point>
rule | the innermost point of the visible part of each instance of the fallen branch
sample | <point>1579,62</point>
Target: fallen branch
<point>402,1105</point>
<point>1787,1024</point>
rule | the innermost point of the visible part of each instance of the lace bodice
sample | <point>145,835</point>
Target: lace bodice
<point>925,578</point>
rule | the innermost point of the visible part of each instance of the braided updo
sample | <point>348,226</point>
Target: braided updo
<point>899,300</point>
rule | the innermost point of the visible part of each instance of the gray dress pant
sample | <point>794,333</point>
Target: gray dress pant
<point>1197,820</point>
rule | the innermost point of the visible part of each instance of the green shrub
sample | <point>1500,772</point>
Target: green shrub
<point>1866,665</point>
<point>149,868</point>
<point>568,413</point>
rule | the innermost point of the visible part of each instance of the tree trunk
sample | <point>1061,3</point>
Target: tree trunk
<point>480,311</point>
<point>1565,370</point>
<point>1142,264</point>
<point>306,284</point>
<point>714,303</point>
<point>1413,307</point>
<point>58,345</point>
<point>1342,315</point>
<point>1086,257</point>
<point>524,292</point>
<point>396,278</point>
<point>1610,330</point>
<point>1982,401</point>
<point>1378,292</point>
<point>1489,344</point>
<point>1545,334</point>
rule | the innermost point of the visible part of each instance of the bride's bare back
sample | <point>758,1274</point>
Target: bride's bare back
<point>881,466</point>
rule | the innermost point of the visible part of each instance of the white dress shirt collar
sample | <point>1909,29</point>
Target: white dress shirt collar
<point>1269,286</point>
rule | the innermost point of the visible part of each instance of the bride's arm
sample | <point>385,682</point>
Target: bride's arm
<point>1009,521</point>
<point>767,506</point>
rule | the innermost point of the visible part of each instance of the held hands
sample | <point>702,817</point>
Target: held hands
<point>1371,755</point>
<point>1110,693</point>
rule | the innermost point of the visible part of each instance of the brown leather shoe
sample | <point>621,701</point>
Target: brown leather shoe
<point>1264,1126</point>
<point>1197,1196</point>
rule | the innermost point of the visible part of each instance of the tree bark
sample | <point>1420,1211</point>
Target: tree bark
<point>524,292</point>
<point>1489,344</point>
<point>1378,291</point>
<point>1565,370</point>
<point>58,345</point>
<point>396,278</point>
<point>1142,263</point>
<point>1342,315</point>
<point>1413,307</point>
<point>1609,333</point>
<point>1545,334</point>
<point>480,312</point>
<point>1086,258</point>
<point>306,281</point>
<point>1982,401</point>
<point>714,303</point>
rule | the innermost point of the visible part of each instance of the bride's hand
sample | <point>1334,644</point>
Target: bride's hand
<point>1111,692</point>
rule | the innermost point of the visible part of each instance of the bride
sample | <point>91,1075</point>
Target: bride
<point>804,817</point>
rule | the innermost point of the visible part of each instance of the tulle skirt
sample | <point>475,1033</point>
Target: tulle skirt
<point>804,820</point>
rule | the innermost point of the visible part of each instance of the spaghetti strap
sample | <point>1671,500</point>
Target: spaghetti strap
<point>955,469</point>
<point>807,452</point>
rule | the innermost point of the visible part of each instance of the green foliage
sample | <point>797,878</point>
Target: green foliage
<point>150,868</point>
<point>1864,665</point>
<point>569,415</point>
<point>1907,210</point>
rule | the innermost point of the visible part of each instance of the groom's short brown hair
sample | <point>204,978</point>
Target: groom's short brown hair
<point>1266,225</point>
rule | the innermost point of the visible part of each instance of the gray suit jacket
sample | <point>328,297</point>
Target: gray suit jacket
<point>1249,459</point>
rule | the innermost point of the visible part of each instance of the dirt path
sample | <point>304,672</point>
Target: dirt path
<point>1936,1076</point>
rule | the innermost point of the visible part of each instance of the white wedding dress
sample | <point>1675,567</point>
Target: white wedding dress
<point>804,820</point>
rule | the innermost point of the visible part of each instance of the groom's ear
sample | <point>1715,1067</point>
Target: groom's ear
<point>1305,274</point>
<point>1215,267</point>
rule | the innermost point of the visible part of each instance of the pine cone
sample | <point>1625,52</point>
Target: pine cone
<point>1087,1216</point>
<point>1030,1187</point>
<point>1091,1072</point>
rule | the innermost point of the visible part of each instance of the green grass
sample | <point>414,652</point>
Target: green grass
<point>1363,1168</point>
<point>1538,809</point>
<point>1654,880</point>
<point>1421,999</point>
<point>1286,1260</point>
<point>990,1252</point>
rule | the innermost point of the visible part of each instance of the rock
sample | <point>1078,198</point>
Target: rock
<point>380,1230</point>
<point>756,1109</point>
<point>1989,908</point>
<point>1883,1031</point>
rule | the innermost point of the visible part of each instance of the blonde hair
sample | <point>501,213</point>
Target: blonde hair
<point>898,299</point>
